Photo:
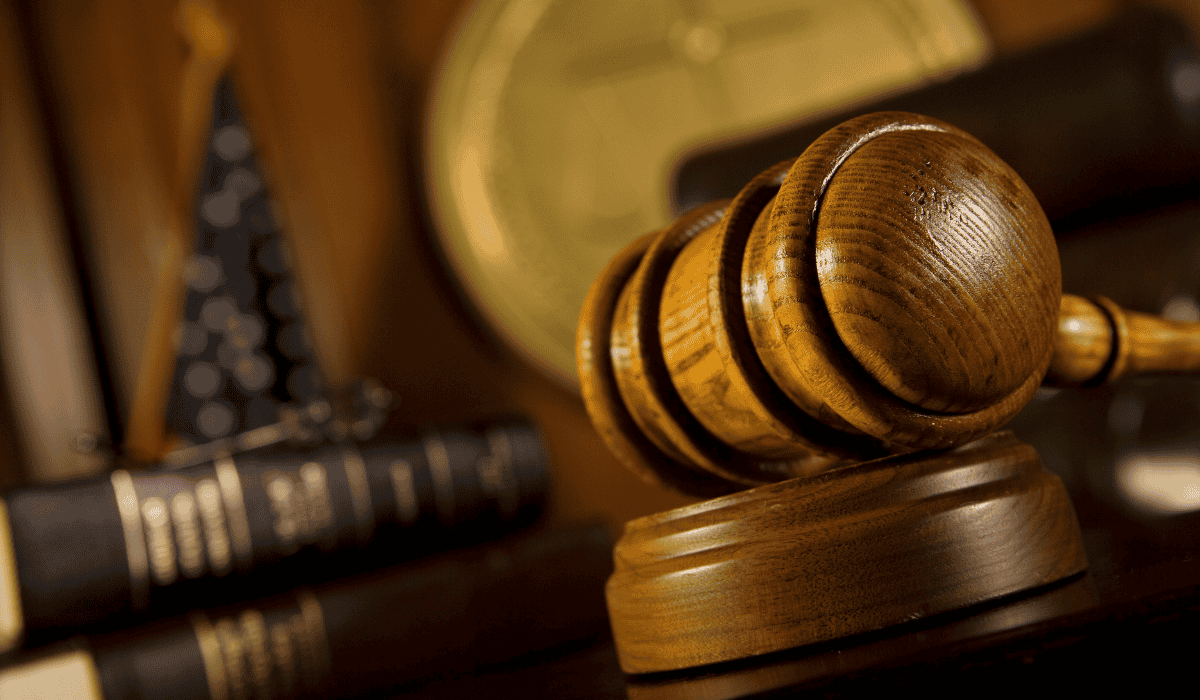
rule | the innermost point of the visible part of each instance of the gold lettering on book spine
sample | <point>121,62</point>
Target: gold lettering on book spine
<point>216,535</point>
<point>284,654</point>
<point>315,505</point>
<point>255,642</point>
<point>182,518</point>
<point>185,517</point>
<point>360,492</point>
<point>160,541</point>
<point>282,492</point>
<point>233,656</point>
<point>248,656</point>
<point>313,640</point>
<point>301,504</point>
<point>210,654</point>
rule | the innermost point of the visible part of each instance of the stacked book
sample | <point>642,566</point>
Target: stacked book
<point>285,573</point>
<point>258,562</point>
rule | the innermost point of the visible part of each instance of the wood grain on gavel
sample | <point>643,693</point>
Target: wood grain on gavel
<point>840,553</point>
<point>895,288</point>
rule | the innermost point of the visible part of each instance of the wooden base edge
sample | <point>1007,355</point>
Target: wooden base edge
<point>854,550</point>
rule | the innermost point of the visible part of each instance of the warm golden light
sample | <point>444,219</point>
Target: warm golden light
<point>557,125</point>
<point>1164,483</point>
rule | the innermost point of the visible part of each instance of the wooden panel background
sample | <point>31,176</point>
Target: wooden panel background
<point>334,96</point>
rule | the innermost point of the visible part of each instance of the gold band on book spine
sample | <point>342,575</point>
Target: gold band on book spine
<point>405,491</point>
<point>12,623</point>
<point>235,510</point>
<point>135,538</point>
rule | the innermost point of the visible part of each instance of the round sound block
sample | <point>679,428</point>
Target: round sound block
<point>852,550</point>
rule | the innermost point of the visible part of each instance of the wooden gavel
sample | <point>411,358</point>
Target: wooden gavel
<point>895,288</point>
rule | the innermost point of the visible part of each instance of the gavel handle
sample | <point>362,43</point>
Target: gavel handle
<point>1098,342</point>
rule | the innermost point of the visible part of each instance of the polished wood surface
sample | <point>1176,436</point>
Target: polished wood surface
<point>937,269</point>
<point>1083,343</point>
<point>1099,342</point>
<point>900,277</point>
<point>719,380</point>
<point>785,266</point>
<point>625,435</point>
<point>637,347</point>
<point>419,339</point>
<point>846,552</point>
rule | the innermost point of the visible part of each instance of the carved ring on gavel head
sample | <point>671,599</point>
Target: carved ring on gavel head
<point>895,288</point>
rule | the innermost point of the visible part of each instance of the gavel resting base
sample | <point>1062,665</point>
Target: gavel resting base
<point>853,550</point>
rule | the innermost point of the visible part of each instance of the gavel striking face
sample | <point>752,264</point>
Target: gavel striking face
<point>895,288</point>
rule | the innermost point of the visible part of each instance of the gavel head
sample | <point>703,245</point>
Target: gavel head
<point>894,288</point>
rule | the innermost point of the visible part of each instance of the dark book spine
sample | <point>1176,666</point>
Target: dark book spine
<point>490,609</point>
<point>153,542</point>
<point>1086,123</point>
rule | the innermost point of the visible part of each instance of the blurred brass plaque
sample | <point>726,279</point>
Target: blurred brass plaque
<point>555,126</point>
